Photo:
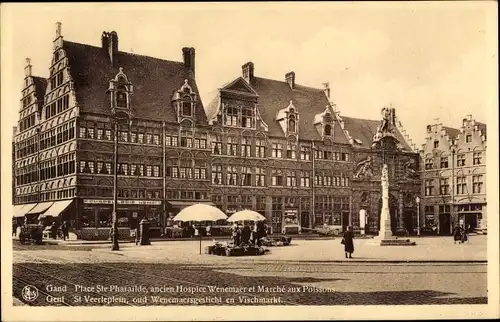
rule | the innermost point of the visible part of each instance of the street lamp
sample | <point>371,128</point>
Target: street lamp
<point>417,199</point>
<point>117,116</point>
<point>114,225</point>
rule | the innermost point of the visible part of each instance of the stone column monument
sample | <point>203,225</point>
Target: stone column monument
<point>385,233</point>
<point>385,216</point>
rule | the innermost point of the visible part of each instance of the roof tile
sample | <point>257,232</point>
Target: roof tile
<point>154,80</point>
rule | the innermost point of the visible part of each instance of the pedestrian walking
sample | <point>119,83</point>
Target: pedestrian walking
<point>465,236</point>
<point>64,229</point>
<point>457,234</point>
<point>348,242</point>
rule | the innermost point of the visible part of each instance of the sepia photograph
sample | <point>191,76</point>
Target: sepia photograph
<point>249,161</point>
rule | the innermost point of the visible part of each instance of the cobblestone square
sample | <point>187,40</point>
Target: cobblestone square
<point>307,273</point>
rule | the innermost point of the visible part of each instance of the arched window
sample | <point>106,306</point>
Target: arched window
<point>328,129</point>
<point>291,123</point>
<point>121,97</point>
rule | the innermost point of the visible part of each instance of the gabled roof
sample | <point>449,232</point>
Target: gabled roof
<point>452,132</point>
<point>40,87</point>
<point>364,130</point>
<point>154,80</point>
<point>276,95</point>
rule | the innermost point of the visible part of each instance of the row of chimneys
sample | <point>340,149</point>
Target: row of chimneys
<point>248,72</point>
<point>109,42</point>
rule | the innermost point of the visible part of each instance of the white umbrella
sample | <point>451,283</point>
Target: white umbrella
<point>246,215</point>
<point>200,212</point>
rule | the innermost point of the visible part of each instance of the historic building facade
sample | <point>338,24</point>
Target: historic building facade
<point>292,157</point>
<point>277,147</point>
<point>64,142</point>
<point>453,163</point>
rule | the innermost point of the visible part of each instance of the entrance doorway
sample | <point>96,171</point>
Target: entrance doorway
<point>444,224</point>
<point>471,219</point>
<point>304,219</point>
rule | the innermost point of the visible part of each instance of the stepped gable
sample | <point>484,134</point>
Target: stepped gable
<point>155,81</point>
<point>364,130</point>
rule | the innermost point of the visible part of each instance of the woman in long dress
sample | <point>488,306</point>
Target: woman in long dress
<point>348,241</point>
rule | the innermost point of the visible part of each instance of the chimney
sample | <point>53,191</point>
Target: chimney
<point>109,42</point>
<point>188,55</point>
<point>393,116</point>
<point>247,71</point>
<point>113,46</point>
<point>326,86</point>
<point>58,29</point>
<point>290,79</point>
<point>27,68</point>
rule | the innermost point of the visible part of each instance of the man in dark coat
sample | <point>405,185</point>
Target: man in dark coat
<point>457,234</point>
<point>65,231</point>
<point>348,242</point>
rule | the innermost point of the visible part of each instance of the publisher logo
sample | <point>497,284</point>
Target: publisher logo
<point>29,293</point>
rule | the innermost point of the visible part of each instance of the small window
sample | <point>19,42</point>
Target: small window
<point>291,124</point>
<point>328,130</point>
<point>186,109</point>
<point>121,99</point>
<point>436,144</point>
<point>468,138</point>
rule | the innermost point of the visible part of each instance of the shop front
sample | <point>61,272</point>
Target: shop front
<point>95,218</point>
<point>470,216</point>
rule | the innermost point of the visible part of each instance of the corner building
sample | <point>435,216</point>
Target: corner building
<point>454,176</point>
<point>273,146</point>
<point>64,142</point>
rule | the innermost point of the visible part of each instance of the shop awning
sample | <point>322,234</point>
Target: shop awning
<point>41,207</point>
<point>182,204</point>
<point>21,210</point>
<point>56,209</point>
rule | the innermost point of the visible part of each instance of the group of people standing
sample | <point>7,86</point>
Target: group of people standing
<point>460,234</point>
<point>55,229</point>
<point>244,235</point>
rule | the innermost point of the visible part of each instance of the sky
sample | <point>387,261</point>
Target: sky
<point>429,60</point>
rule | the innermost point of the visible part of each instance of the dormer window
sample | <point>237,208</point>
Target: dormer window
<point>121,97</point>
<point>291,123</point>
<point>328,130</point>
<point>187,106</point>
<point>288,119</point>
<point>121,90</point>
<point>184,101</point>
<point>324,123</point>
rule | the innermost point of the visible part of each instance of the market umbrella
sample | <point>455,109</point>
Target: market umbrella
<point>200,212</point>
<point>246,215</point>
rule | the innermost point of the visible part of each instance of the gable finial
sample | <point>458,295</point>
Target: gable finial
<point>121,69</point>
<point>185,81</point>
